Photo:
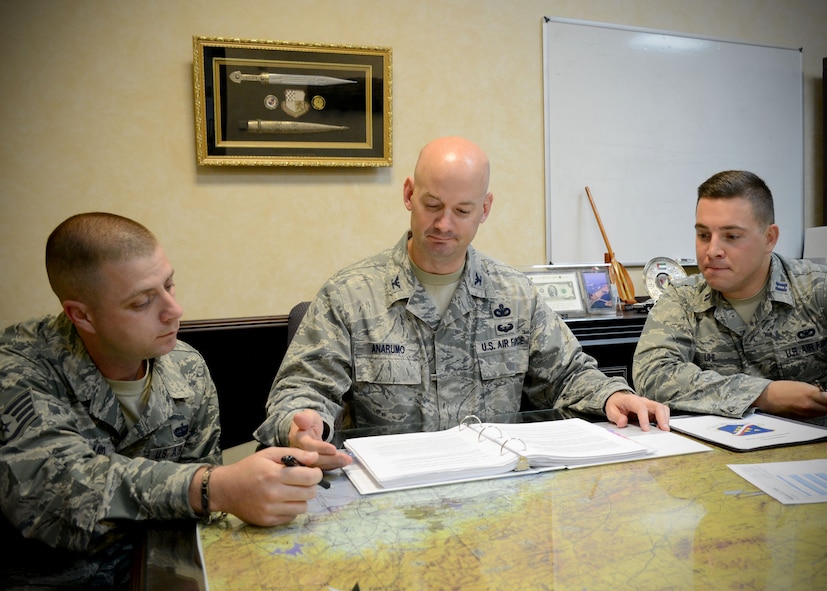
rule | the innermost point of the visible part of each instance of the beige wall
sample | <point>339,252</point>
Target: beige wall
<point>96,105</point>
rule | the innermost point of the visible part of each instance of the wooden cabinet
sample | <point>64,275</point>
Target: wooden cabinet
<point>610,340</point>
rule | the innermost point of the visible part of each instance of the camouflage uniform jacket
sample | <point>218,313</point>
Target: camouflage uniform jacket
<point>372,350</point>
<point>697,355</point>
<point>69,466</point>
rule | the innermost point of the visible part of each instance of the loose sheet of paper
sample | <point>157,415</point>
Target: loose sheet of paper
<point>660,443</point>
<point>792,483</point>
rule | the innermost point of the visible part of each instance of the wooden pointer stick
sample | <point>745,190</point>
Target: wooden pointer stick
<point>619,275</point>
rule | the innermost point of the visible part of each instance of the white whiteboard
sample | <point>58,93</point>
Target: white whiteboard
<point>642,117</point>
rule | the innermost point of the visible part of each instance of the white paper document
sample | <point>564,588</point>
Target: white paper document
<point>792,483</point>
<point>660,443</point>
<point>580,442</point>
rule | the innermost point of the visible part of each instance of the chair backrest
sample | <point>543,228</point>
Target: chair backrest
<point>294,319</point>
<point>243,355</point>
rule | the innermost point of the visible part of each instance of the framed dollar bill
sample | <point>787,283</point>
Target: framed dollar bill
<point>561,287</point>
<point>273,103</point>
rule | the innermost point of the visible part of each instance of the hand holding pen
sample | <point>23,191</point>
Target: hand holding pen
<point>292,461</point>
<point>258,488</point>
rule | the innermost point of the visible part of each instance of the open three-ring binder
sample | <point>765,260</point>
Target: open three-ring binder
<point>475,450</point>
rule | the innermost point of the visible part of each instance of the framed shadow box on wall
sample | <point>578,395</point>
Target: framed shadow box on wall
<point>273,103</point>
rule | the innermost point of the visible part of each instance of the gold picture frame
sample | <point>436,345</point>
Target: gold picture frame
<point>276,103</point>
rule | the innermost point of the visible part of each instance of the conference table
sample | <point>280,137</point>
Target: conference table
<point>678,522</point>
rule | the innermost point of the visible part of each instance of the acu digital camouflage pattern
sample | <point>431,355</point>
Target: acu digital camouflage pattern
<point>70,469</point>
<point>697,355</point>
<point>373,350</point>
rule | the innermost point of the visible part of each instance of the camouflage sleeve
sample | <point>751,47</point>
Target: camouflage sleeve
<point>561,374</point>
<point>60,485</point>
<point>158,488</point>
<point>819,290</point>
<point>664,367</point>
<point>314,374</point>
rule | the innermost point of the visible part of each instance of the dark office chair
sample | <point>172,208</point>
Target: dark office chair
<point>294,319</point>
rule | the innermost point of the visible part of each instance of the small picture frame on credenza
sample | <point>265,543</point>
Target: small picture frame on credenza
<point>561,288</point>
<point>597,286</point>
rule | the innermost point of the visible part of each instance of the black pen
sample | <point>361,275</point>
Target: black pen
<point>291,461</point>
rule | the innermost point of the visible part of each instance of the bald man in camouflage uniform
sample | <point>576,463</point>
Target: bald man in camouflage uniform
<point>432,330</point>
<point>750,331</point>
<point>106,420</point>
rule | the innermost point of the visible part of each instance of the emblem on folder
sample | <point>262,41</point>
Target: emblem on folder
<point>741,430</point>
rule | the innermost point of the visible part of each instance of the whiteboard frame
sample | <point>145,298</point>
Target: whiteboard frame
<point>587,245</point>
